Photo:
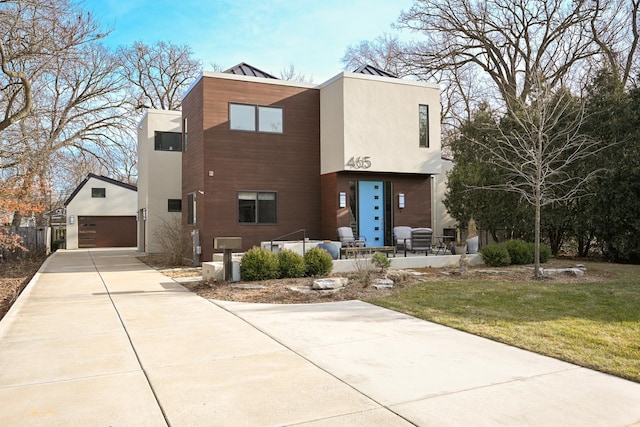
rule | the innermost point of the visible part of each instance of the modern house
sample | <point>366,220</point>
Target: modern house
<point>101,212</point>
<point>262,157</point>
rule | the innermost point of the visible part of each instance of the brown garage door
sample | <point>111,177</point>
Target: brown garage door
<point>106,231</point>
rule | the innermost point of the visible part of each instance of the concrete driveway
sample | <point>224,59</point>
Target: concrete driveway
<point>98,338</point>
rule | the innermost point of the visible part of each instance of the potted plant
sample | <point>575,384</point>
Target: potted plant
<point>459,247</point>
<point>472,237</point>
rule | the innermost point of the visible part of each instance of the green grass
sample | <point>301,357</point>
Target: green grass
<point>592,324</point>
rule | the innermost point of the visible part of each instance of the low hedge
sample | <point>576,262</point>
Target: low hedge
<point>516,252</point>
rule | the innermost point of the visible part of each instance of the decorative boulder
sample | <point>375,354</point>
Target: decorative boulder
<point>383,283</point>
<point>330,283</point>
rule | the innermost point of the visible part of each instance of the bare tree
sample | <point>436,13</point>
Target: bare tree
<point>510,41</point>
<point>78,108</point>
<point>159,74</point>
<point>386,53</point>
<point>615,29</point>
<point>33,34</point>
<point>540,147</point>
<point>290,73</point>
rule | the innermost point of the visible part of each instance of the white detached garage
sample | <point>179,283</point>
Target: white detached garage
<point>101,213</point>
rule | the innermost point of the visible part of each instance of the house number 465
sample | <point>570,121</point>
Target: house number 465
<point>359,162</point>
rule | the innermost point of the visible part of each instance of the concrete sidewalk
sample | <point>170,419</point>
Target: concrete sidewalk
<point>98,338</point>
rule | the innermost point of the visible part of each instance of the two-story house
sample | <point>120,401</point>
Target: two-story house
<point>263,157</point>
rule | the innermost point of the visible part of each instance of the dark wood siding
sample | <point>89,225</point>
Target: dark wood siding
<point>221,162</point>
<point>416,188</point>
<point>106,231</point>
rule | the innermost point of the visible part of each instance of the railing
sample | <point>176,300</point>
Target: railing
<point>304,238</point>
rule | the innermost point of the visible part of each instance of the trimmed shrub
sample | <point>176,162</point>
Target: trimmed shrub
<point>259,264</point>
<point>495,255</point>
<point>318,262</point>
<point>520,252</point>
<point>290,264</point>
<point>381,261</point>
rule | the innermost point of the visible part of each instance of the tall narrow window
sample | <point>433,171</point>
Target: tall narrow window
<point>184,135</point>
<point>191,208</point>
<point>423,117</point>
<point>257,207</point>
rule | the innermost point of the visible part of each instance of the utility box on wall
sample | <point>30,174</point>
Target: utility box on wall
<point>227,243</point>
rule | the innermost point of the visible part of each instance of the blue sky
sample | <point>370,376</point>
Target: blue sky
<point>310,34</point>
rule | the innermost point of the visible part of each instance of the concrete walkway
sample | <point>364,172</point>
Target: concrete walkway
<point>98,338</point>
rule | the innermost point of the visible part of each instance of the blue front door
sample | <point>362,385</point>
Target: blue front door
<point>371,212</point>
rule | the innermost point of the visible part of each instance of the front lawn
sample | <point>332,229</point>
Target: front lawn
<point>595,324</point>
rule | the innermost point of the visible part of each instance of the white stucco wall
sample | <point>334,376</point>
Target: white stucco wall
<point>441,218</point>
<point>118,201</point>
<point>377,117</point>
<point>159,176</point>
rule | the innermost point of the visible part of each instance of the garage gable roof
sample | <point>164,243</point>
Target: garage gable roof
<point>101,178</point>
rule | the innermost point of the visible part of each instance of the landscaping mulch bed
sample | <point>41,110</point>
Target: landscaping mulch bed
<point>14,276</point>
<point>279,291</point>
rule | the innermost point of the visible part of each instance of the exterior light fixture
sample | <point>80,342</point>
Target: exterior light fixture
<point>72,219</point>
<point>401,200</point>
<point>144,214</point>
<point>343,200</point>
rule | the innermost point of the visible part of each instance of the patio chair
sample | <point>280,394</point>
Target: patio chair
<point>421,240</point>
<point>345,235</point>
<point>402,238</point>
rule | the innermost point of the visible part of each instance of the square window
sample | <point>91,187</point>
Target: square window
<point>174,205</point>
<point>168,141</point>
<point>257,208</point>
<point>242,117</point>
<point>99,192</point>
<point>270,119</point>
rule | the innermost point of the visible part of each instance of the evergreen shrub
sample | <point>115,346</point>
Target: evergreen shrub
<point>495,255</point>
<point>259,264</point>
<point>290,264</point>
<point>318,262</point>
<point>520,252</point>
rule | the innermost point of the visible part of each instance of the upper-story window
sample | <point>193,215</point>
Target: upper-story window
<point>99,192</point>
<point>254,118</point>
<point>168,141</point>
<point>184,135</point>
<point>423,117</point>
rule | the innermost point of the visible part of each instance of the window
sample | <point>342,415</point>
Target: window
<point>184,135</point>
<point>423,116</point>
<point>99,192</point>
<point>270,119</point>
<point>168,141</point>
<point>257,208</point>
<point>251,118</point>
<point>242,117</point>
<point>174,205</point>
<point>191,208</point>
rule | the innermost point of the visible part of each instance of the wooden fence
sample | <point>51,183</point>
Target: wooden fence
<point>34,239</point>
